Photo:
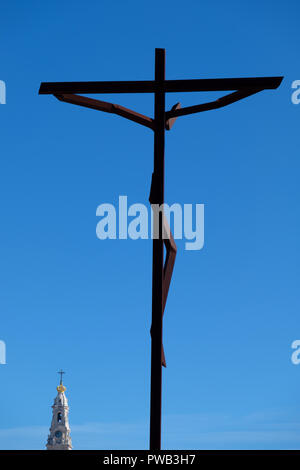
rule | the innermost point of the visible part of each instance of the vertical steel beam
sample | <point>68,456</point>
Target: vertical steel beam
<point>158,254</point>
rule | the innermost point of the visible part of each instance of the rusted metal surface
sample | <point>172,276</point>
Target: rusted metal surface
<point>219,103</point>
<point>171,251</point>
<point>170,119</point>
<point>107,108</point>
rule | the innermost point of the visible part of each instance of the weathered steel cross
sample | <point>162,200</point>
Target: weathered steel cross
<point>163,120</point>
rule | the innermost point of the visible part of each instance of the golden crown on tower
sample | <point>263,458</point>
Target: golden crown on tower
<point>61,388</point>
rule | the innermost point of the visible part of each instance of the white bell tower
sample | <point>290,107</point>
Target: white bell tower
<point>59,437</point>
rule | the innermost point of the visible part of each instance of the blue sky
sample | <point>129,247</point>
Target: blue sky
<point>73,301</point>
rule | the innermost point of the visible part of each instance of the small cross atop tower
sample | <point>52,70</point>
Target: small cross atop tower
<point>61,372</point>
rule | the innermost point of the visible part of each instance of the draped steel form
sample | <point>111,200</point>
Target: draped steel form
<point>163,120</point>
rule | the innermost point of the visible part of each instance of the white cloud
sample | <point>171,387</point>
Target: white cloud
<point>259,430</point>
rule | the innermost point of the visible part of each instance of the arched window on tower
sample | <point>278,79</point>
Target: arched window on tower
<point>59,417</point>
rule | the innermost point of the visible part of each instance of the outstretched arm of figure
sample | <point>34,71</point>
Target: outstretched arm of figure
<point>107,108</point>
<point>176,111</point>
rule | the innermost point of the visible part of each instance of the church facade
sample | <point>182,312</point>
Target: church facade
<point>59,437</point>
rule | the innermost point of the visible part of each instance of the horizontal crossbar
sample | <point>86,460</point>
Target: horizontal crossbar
<point>168,86</point>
